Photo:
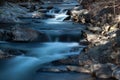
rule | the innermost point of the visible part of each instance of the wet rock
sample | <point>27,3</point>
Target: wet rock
<point>72,60</point>
<point>49,70</point>
<point>52,69</point>
<point>42,15</point>
<point>8,53</point>
<point>78,69</point>
<point>22,34</point>
<point>38,15</point>
<point>84,42</point>
<point>27,34</point>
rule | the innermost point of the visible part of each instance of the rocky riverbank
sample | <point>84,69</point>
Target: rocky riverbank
<point>101,57</point>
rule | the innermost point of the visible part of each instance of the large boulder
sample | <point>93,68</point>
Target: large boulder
<point>27,34</point>
<point>22,34</point>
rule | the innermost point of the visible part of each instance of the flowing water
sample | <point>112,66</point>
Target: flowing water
<point>24,67</point>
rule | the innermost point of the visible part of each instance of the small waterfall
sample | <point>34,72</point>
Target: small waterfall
<point>59,15</point>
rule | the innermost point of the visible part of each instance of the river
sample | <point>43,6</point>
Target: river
<point>63,42</point>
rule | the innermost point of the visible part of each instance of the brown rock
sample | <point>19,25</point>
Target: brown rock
<point>103,71</point>
<point>78,69</point>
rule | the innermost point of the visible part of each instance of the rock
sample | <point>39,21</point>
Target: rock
<point>91,37</point>
<point>80,12</point>
<point>77,8</point>
<point>116,73</point>
<point>52,69</point>
<point>42,15</point>
<point>48,70</point>
<point>27,34</point>
<point>38,15</point>
<point>22,35</point>
<point>72,60</point>
<point>9,13</point>
<point>5,35</point>
<point>84,42</point>
<point>8,53</point>
<point>102,71</point>
<point>95,67</point>
<point>82,16</point>
<point>78,69</point>
<point>117,18</point>
<point>94,29</point>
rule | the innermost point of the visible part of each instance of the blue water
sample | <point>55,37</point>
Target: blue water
<point>24,67</point>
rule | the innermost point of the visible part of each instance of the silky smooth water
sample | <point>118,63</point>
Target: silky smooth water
<point>24,67</point>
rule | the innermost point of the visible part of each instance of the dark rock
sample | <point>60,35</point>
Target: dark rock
<point>48,70</point>
<point>50,7</point>
<point>8,53</point>
<point>52,69</point>
<point>103,71</point>
<point>22,34</point>
<point>78,69</point>
<point>27,34</point>
<point>84,42</point>
<point>72,60</point>
<point>67,18</point>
